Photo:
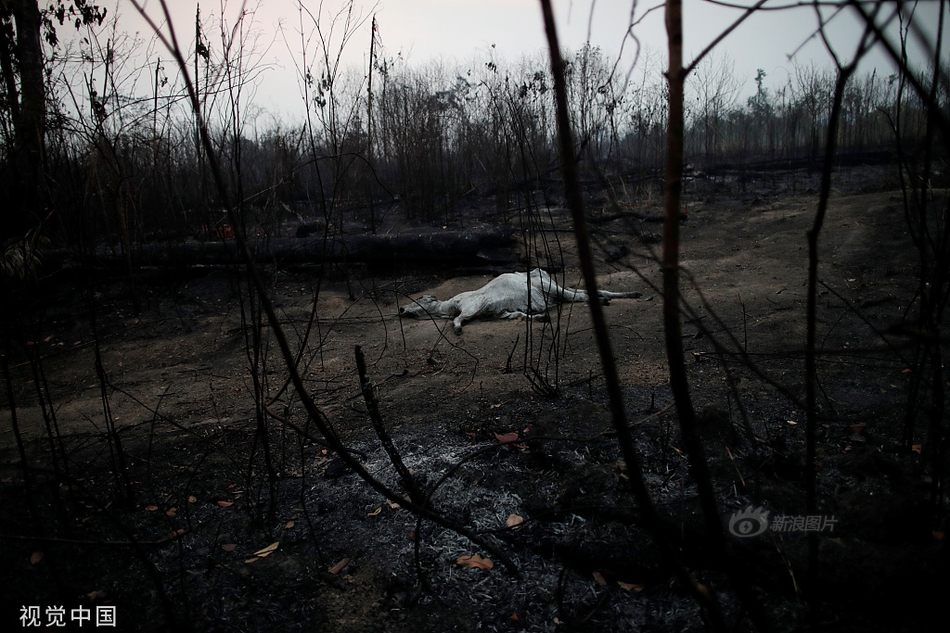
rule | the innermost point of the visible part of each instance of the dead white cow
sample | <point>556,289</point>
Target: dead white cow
<point>508,296</point>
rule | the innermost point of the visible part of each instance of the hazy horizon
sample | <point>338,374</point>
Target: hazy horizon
<point>464,33</point>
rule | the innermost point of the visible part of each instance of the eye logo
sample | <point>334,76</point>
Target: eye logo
<point>749,522</point>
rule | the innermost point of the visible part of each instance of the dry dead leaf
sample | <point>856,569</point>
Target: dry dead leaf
<point>225,504</point>
<point>394,506</point>
<point>339,566</point>
<point>475,562</point>
<point>192,499</point>
<point>507,437</point>
<point>288,525</point>
<point>171,512</point>
<point>229,547</point>
<point>514,521</point>
<point>917,448</point>
<point>514,617</point>
<point>151,508</point>
<point>375,512</point>
<point>36,557</point>
<point>599,579</point>
<point>267,551</point>
<point>629,586</point>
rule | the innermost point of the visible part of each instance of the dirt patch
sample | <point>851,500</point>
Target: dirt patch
<point>166,535</point>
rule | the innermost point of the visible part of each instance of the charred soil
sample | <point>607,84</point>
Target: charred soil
<point>208,509</point>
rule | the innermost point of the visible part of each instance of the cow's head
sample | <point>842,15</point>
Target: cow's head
<point>424,306</point>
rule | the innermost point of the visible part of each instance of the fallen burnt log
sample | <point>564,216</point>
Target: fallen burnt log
<point>479,246</point>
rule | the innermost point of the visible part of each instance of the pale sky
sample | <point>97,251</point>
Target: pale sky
<point>465,30</point>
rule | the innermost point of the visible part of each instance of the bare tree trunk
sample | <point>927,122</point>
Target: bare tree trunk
<point>676,76</point>
<point>29,122</point>
<point>811,372</point>
<point>679,383</point>
<point>369,122</point>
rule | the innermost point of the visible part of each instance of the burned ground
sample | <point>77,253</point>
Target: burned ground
<point>170,535</point>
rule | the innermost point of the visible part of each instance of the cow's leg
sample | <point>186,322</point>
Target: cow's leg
<point>572,294</point>
<point>468,316</point>
<point>568,294</point>
<point>518,314</point>
<point>563,293</point>
<point>459,320</point>
<point>470,306</point>
<point>468,310</point>
<point>606,294</point>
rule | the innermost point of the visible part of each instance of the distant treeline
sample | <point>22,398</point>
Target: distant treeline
<point>402,142</point>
